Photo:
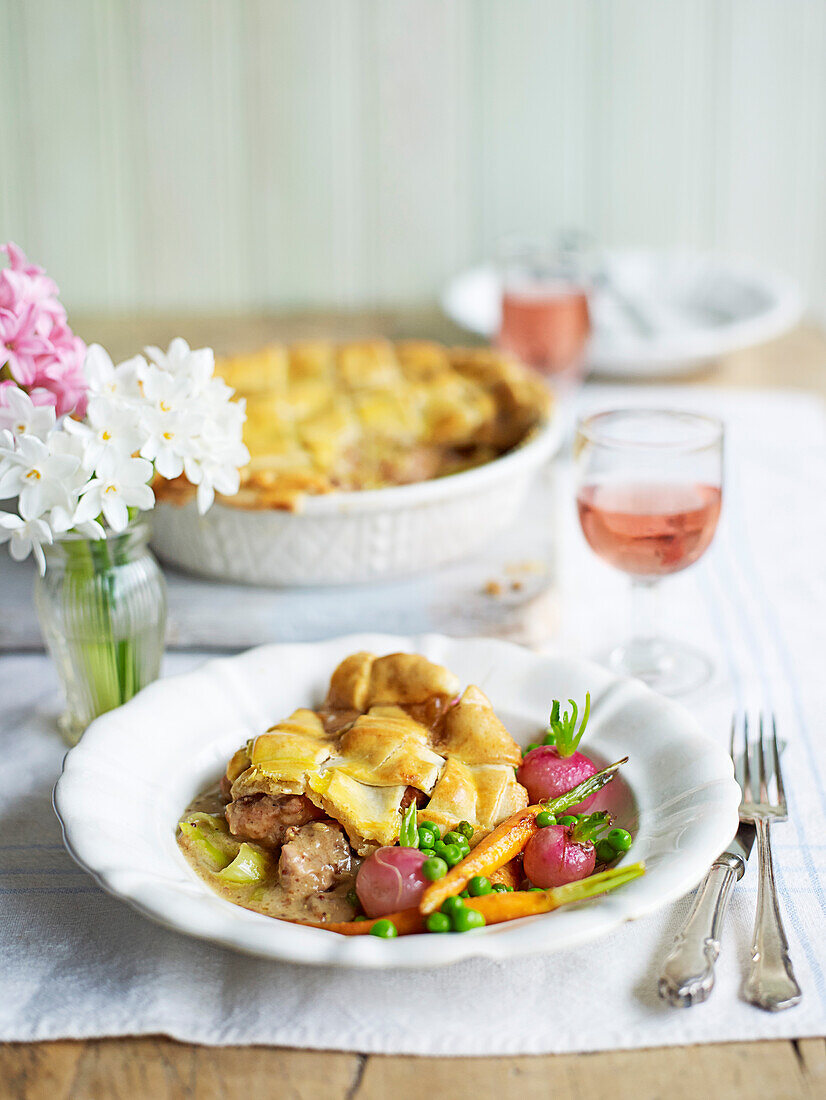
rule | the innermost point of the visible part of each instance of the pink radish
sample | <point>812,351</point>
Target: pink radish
<point>551,769</point>
<point>391,879</point>
<point>563,853</point>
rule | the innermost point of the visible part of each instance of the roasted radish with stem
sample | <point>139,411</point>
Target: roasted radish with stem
<point>509,838</point>
<point>564,850</point>
<point>555,766</point>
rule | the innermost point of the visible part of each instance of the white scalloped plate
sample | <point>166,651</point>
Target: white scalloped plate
<point>141,765</point>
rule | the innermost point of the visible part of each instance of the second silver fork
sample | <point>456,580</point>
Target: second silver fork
<point>771,983</point>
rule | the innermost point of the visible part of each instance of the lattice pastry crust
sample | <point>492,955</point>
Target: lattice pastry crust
<point>389,724</point>
<point>323,417</point>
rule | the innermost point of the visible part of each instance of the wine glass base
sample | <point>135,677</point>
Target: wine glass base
<point>668,667</point>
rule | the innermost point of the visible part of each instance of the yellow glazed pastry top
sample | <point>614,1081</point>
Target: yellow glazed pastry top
<point>323,417</point>
<point>391,729</point>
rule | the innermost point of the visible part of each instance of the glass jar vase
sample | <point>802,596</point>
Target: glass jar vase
<point>102,610</point>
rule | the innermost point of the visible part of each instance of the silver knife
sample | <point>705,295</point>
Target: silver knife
<point>687,976</point>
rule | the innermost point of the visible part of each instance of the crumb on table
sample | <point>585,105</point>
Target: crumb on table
<point>493,588</point>
<point>534,565</point>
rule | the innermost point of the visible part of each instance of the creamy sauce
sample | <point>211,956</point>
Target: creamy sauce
<point>266,895</point>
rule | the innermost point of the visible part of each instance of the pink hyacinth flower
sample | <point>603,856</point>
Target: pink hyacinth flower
<point>42,353</point>
<point>18,260</point>
<point>21,344</point>
<point>68,385</point>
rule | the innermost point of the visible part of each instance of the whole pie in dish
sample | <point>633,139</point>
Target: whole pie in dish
<point>303,804</point>
<point>323,417</point>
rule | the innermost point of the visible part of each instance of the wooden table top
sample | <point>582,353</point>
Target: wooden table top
<point>160,1069</point>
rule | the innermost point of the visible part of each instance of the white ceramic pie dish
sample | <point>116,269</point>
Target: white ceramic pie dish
<point>359,536</point>
<point>125,785</point>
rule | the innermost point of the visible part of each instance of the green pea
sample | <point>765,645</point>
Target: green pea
<point>568,819</point>
<point>465,894</point>
<point>620,840</point>
<point>434,868</point>
<point>427,837</point>
<point>535,890</point>
<point>533,745</point>
<point>428,853</point>
<point>438,922</point>
<point>466,829</point>
<point>384,929</point>
<point>434,828</point>
<point>452,855</point>
<point>479,886</point>
<point>605,851</point>
<point>500,888</point>
<point>362,917</point>
<point>455,837</point>
<point>439,848</point>
<point>450,905</point>
<point>544,819</point>
<point>549,739</point>
<point>464,920</point>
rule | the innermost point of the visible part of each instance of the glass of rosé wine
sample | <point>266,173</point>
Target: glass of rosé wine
<point>545,319</point>
<point>649,490</point>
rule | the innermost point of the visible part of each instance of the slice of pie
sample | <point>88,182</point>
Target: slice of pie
<point>392,730</point>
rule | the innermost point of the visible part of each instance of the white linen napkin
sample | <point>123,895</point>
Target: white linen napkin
<point>75,962</point>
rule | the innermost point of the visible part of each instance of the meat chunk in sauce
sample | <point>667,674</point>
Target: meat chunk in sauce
<point>413,795</point>
<point>264,819</point>
<point>314,858</point>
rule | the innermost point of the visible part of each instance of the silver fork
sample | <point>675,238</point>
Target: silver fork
<point>771,983</point>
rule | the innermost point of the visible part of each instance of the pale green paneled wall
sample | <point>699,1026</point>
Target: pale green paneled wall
<point>255,153</point>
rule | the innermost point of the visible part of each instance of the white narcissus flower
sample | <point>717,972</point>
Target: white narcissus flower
<point>46,478</point>
<point>109,423</point>
<point>20,415</point>
<point>211,476</point>
<point>217,462</point>
<point>171,410</point>
<point>121,484</point>
<point>184,363</point>
<point>62,516</point>
<point>10,471</point>
<point>170,420</point>
<point>121,381</point>
<point>25,536</point>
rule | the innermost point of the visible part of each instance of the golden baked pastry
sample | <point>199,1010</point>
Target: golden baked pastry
<point>391,729</point>
<point>323,417</point>
<point>483,795</point>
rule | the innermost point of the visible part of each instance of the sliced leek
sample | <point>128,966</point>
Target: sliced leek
<point>198,830</point>
<point>212,821</point>
<point>250,865</point>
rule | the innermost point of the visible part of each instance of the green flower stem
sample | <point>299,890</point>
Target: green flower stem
<point>109,662</point>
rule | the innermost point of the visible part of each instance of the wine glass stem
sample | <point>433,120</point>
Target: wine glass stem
<point>644,609</point>
<point>642,654</point>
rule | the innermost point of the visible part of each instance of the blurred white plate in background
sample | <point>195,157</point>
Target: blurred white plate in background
<point>654,312</point>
